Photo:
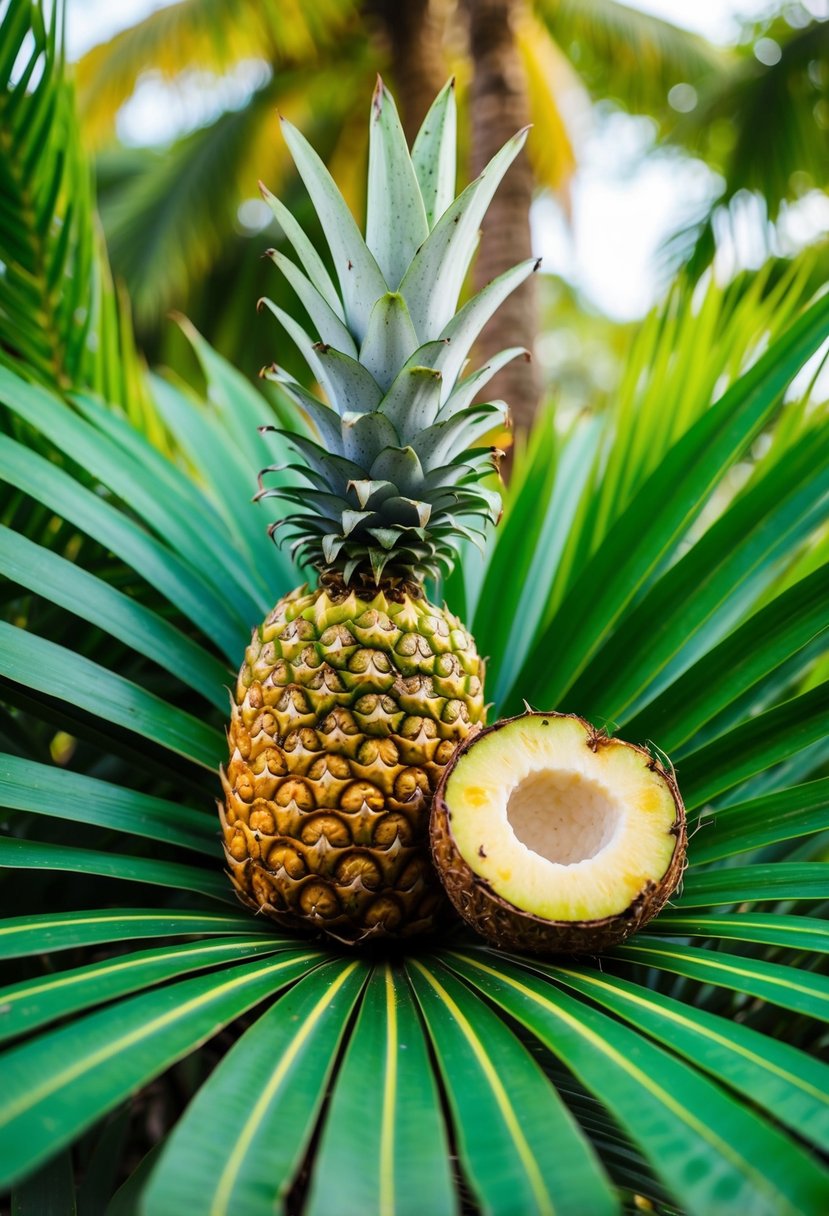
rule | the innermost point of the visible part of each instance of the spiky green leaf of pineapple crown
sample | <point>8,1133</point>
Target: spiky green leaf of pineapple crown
<point>395,481</point>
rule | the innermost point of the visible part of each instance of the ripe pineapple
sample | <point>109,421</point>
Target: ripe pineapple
<point>352,696</point>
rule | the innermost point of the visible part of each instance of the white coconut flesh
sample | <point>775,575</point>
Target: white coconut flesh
<point>557,825</point>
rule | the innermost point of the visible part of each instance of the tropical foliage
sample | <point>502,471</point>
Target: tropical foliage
<point>661,568</point>
<point>180,209</point>
<point>61,319</point>
<point>780,84</point>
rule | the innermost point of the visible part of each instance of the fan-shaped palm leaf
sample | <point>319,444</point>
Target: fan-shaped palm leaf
<point>158,1014</point>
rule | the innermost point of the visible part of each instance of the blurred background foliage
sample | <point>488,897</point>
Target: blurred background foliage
<point>186,228</point>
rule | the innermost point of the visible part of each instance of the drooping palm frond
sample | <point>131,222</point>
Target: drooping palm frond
<point>61,319</point>
<point>786,100</point>
<point>171,216</point>
<point>557,100</point>
<point>629,55</point>
<point>171,219</point>
<point>206,35</point>
<point>167,226</point>
<point>182,206</point>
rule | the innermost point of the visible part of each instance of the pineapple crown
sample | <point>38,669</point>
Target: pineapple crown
<point>395,480</point>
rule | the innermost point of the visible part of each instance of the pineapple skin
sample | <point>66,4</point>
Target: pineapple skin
<point>346,711</point>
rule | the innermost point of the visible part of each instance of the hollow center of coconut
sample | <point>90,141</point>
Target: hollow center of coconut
<point>563,816</point>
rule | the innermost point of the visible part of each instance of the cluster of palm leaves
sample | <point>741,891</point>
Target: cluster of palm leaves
<point>171,216</point>
<point>662,569</point>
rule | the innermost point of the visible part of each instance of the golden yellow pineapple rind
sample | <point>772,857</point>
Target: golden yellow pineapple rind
<point>345,713</point>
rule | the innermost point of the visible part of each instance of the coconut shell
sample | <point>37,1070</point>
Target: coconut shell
<point>507,926</point>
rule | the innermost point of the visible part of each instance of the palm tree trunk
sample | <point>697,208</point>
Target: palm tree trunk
<point>499,108</point>
<point>414,31</point>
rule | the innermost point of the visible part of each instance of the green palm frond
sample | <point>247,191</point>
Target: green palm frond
<point>698,1074</point>
<point>209,34</point>
<point>166,227</point>
<point>785,100</point>
<point>171,216</point>
<point>788,100</point>
<point>61,319</point>
<point>627,54</point>
<point>678,363</point>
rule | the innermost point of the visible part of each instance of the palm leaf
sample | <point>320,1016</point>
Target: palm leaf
<point>793,988</point>
<point>628,54</point>
<point>505,1133</point>
<point>674,370</point>
<point>401,1140</point>
<point>663,509</point>
<point>141,1035</point>
<point>286,1057</point>
<point>671,1111</point>
<point>32,787</point>
<point>772,929</point>
<point>171,217</point>
<point>35,1003</point>
<point>60,316</point>
<point>786,98</point>
<point>46,573</point>
<point>42,856</point>
<point>746,826</point>
<point>66,930</point>
<point>773,1075</point>
<point>73,678</point>
<point>175,37</point>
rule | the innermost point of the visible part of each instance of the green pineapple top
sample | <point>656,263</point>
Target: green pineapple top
<point>395,480</point>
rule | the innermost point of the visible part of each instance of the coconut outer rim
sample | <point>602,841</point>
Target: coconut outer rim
<point>510,927</point>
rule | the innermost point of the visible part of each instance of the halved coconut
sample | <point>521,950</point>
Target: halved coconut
<point>552,838</point>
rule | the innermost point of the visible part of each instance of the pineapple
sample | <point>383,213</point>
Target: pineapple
<point>353,695</point>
